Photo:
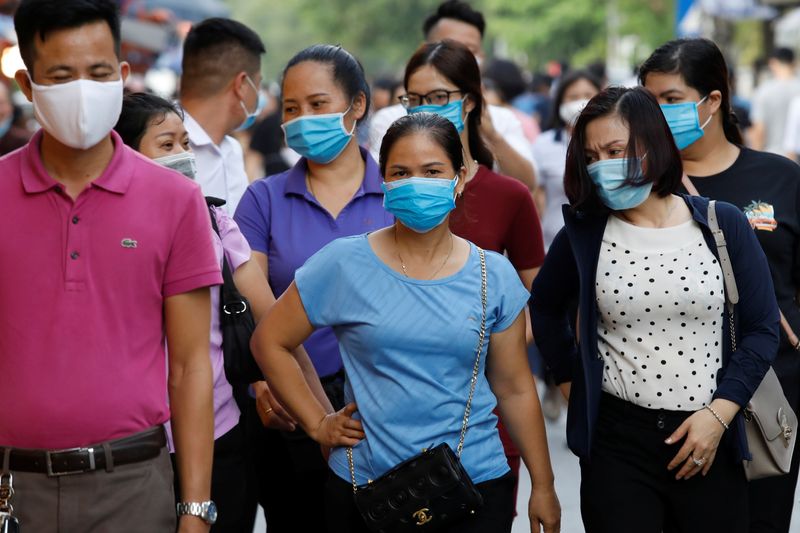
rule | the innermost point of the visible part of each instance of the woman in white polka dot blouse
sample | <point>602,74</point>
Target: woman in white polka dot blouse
<point>653,384</point>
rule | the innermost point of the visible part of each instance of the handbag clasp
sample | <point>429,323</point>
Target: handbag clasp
<point>423,516</point>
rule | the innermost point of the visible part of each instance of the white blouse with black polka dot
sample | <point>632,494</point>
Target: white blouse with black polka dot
<point>660,300</point>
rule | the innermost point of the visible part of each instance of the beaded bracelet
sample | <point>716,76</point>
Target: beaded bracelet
<point>716,415</point>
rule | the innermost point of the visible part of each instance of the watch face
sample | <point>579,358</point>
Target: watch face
<point>211,512</point>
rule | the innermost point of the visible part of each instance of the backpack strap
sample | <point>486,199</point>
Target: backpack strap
<point>731,291</point>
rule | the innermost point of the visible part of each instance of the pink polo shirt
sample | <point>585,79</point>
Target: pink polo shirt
<point>82,290</point>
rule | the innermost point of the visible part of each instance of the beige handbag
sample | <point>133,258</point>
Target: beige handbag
<point>770,423</point>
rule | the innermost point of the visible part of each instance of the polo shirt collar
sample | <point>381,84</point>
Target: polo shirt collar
<point>115,178</point>
<point>296,180</point>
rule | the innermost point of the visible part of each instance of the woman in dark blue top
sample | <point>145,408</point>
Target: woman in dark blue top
<point>653,385</point>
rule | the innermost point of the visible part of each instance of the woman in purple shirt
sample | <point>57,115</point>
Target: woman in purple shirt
<point>333,191</point>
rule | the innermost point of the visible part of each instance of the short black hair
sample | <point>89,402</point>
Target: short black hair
<point>507,77</point>
<point>783,55</point>
<point>215,51</point>
<point>346,69</point>
<point>649,135</point>
<point>38,18</point>
<point>457,10</point>
<point>139,112</point>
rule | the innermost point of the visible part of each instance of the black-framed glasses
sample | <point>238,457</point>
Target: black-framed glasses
<point>437,97</point>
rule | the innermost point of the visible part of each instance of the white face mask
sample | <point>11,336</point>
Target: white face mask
<point>183,162</point>
<point>569,111</point>
<point>79,113</point>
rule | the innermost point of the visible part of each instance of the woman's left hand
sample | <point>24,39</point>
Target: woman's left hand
<point>544,510</point>
<point>703,433</point>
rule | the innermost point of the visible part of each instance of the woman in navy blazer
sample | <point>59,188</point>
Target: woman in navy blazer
<point>655,391</point>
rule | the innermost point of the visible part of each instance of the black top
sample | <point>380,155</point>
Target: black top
<point>767,188</point>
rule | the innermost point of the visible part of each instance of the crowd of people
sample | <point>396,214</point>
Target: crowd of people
<point>404,267</point>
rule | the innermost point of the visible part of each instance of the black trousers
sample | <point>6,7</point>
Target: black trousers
<point>496,515</point>
<point>772,499</point>
<point>228,483</point>
<point>626,487</point>
<point>287,477</point>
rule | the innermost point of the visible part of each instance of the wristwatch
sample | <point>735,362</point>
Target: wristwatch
<point>206,511</point>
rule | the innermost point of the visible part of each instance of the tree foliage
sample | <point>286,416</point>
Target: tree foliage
<point>384,33</point>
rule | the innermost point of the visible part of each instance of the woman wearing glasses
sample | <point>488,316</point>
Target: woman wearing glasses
<point>495,212</point>
<point>333,191</point>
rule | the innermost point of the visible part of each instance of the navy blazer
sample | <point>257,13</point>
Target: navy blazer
<point>568,274</point>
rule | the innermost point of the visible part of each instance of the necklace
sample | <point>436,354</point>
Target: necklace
<point>403,264</point>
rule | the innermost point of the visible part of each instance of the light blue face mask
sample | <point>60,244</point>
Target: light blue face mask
<point>610,175</point>
<point>420,204</point>
<point>454,112</point>
<point>6,125</point>
<point>250,118</point>
<point>684,122</point>
<point>320,138</point>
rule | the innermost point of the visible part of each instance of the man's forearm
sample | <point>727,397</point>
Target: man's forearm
<point>191,403</point>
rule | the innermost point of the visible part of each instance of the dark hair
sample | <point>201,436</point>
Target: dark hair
<point>566,81</point>
<point>783,55</point>
<point>347,70</point>
<point>457,10</point>
<point>456,63</point>
<point>215,51</point>
<point>702,66</point>
<point>139,112</point>
<point>649,135</point>
<point>38,18</point>
<point>437,128</point>
<point>507,78</point>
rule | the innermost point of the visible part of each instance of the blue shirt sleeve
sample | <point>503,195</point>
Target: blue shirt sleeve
<point>253,216</point>
<point>507,295</point>
<point>322,284</point>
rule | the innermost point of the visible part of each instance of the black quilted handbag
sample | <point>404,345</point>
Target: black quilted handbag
<point>431,490</point>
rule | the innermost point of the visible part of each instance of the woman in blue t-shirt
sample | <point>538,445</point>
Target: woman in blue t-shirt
<point>405,304</point>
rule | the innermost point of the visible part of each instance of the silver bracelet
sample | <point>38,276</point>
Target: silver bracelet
<point>716,415</point>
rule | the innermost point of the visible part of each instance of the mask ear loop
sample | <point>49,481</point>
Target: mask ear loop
<point>355,123</point>
<point>697,106</point>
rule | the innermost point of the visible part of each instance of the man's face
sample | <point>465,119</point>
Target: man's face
<point>460,32</point>
<point>86,52</point>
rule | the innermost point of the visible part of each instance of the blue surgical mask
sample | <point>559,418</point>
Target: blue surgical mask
<point>6,125</point>
<point>684,122</point>
<point>320,138</point>
<point>610,175</point>
<point>420,204</point>
<point>454,112</point>
<point>250,118</point>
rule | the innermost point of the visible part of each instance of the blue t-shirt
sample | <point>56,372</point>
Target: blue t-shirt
<point>408,348</point>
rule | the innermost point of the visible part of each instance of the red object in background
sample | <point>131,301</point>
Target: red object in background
<point>553,69</point>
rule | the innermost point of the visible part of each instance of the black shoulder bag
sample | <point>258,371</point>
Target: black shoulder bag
<point>431,490</point>
<point>236,321</point>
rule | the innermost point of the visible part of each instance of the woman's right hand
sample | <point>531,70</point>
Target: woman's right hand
<point>339,428</point>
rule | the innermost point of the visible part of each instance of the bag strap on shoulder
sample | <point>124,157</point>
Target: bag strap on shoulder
<point>731,291</point>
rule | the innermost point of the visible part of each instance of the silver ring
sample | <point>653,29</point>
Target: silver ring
<point>268,411</point>
<point>698,462</point>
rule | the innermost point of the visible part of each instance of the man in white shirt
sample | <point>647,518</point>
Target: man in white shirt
<point>500,129</point>
<point>771,102</point>
<point>219,94</point>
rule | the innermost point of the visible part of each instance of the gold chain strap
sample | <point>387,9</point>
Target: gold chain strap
<point>473,382</point>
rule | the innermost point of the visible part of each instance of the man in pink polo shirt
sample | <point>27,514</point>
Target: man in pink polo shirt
<point>108,256</point>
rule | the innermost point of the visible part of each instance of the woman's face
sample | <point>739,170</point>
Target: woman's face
<point>606,138</point>
<point>670,88</point>
<point>309,89</point>
<point>428,82</point>
<point>164,136</point>
<point>419,155</point>
<point>580,89</point>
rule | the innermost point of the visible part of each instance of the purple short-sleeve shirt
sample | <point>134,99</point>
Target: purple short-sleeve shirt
<point>279,217</point>
<point>82,296</point>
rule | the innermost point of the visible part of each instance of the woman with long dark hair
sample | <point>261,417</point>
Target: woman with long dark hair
<point>655,386</point>
<point>410,304</point>
<point>495,212</point>
<point>689,78</point>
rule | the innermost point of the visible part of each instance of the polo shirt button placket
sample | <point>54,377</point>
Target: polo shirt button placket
<point>76,219</point>
<point>75,255</point>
